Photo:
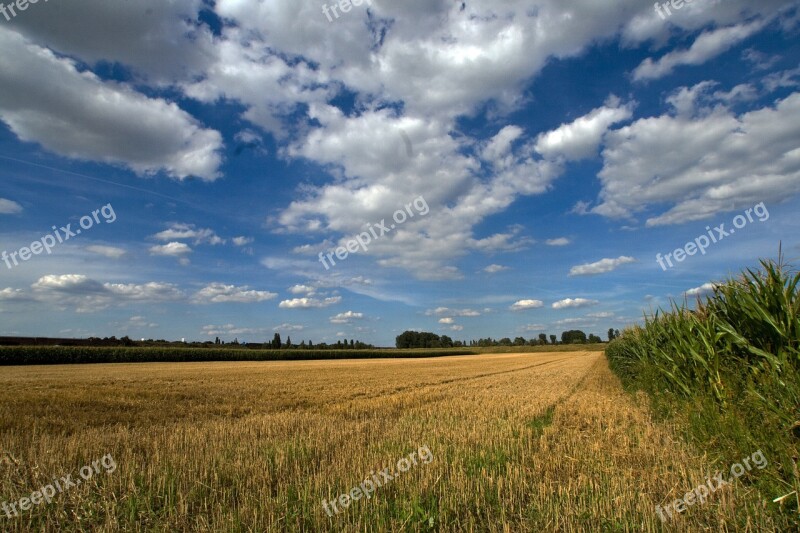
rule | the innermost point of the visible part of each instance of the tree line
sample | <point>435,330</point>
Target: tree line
<point>424,339</point>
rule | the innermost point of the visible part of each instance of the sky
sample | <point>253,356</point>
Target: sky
<point>496,168</point>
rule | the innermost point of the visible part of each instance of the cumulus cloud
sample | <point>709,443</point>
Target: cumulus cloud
<point>242,241</point>
<point>89,295</point>
<point>494,269</point>
<point>173,249</point>
<point>707,46</point>
<point>95,120</point>
<point>221,293</point>
<point>447,320</point>
<point>178,232</point>
<point>561,241</point>
<point>9,294</point>
<point>701,162</point>
<point>303,289</point>
<point>581,138</point>
<point>346,318</point>
<point>309,303</point>
<point>9,207</point>
<point>702,290</point>
<point>600,267</point>
<point>570,303</point>
<point>522,305</point>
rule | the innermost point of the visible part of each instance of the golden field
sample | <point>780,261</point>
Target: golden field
<point>520,442</point>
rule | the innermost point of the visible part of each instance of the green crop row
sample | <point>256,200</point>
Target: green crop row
<point>729,368</point>
<point>55,355</point>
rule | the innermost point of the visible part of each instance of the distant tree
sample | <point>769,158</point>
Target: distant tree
<point>611,336</point>
<point>542,339</point>
<point>519,341</point>
<point>553,339</point>
<point>276,341</point>
<point>616,333</point>
<point>418,339</point>
<point>573,337</point>
<point>352,344</point>
<point>594,339</point>
<point>217,341</point>
<point>310,345</point>
<point>288,342</point>
<point>505,341</point>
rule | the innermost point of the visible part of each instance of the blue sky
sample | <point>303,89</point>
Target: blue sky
<point>557,146</point>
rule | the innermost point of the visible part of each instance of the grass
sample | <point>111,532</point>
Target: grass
<point>728,372</point>
<point>521,442</point>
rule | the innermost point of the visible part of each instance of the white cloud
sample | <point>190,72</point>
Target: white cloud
<point>242,241</point>
<point>701,162</point>
<point>230,330</point>
<point>581,138</point>
<point>447,320</point>
<point>561,241</point>
<point>704,289</point>
<point>221,293</point>
<point>569,303</point>
<point>9,207</point>
<point>8,294</point>
<point>707,46</point>
<point>177,232</point>
<point>457,328</point>
<point>303,289</point>
<point>446,311</point>
<point>535,327</point>
<point>289,327</point>
<point>603,314</point>
<point>346,318</point>
<point>173,249</point>
<point>88,295</point>
<point>494,269</point>
<point>111,252</point>
<point>309,303</point>
<point>600,267</point>
<point>522,305</point>
<point>90,119</point>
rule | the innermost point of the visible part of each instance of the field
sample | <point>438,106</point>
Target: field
<point>519,442</point>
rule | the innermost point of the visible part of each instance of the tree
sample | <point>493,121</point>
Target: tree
<point>418,339</point>
<point>519,341</point>
<point>574,336</point>
<point>288,342</point>
<point>542,339</point>
<point>352,344</point>
<point>505,341</point>
<point>594,339</point>
<point>276,342</point>
<point>553,339</point>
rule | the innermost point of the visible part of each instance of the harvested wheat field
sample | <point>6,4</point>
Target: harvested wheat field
<point>506,442</point>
